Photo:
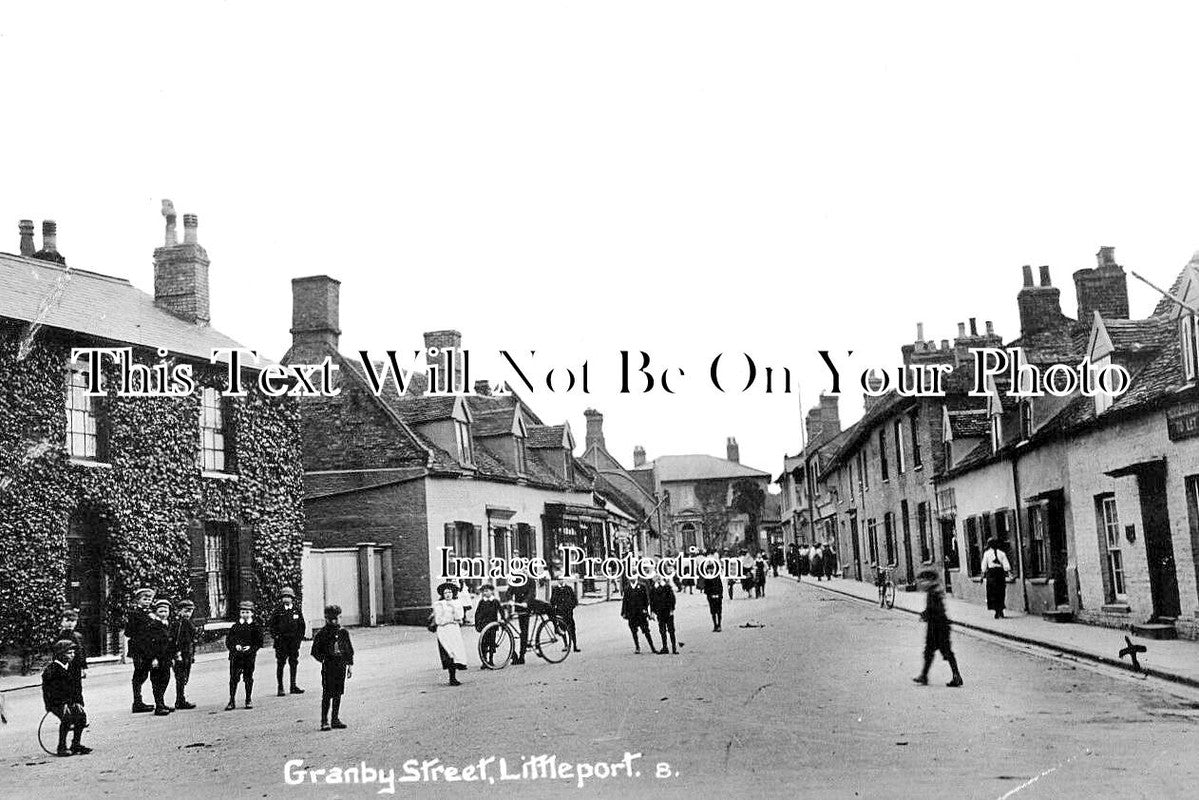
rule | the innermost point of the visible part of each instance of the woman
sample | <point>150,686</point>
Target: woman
<point>448,617</point>
<point>995,568</point>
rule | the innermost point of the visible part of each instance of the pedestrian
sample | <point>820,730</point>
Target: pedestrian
<point>78,669</point>
<point>793,559</point>
<point>60,699</point>
<point>184,636</point>
<point>136,626</point>
<point>487,612</point>
<point>995,568</point>
<point>828,560</point>
<point>661,604</point>
<point>523,595</point>
<point>635,609</point>
<point>159,647</point>
<point>714,587</point>
<point>563,600</point>
<point>760,576</point>
<point>331,646</point>
<point>447,618</point>
<point>815,562</point>
<point>936,637</point>
<point>243,640</point>
<point>689,583</point>
<point>776,558</point>
<point>287,628</point>
<point>804,557</point>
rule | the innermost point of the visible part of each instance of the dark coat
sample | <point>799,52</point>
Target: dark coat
<point>184,637</point>
<point>486,612</point>
<point>58,687</point>
<point>244,634</point>
<point>332,647</point>
<point>287,627</point>
<point>158,641</point>
<point>563,599</point>
<point>524,593</point>
<point>635,604</point>
<point>662,599</point>
<point>135,631</point>
<point>714,587</point>
<point>78,663</point>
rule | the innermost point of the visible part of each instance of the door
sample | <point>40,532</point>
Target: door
<point>857,547</point>
<point>86,589</point>
<point>907,538</point>
<point>1159,548</point>
<point>1055,523</point>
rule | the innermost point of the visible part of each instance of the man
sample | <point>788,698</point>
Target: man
<point>563,600</point>
<point>243,640</point>
<point>714,589</point>
<point>523,595</point>
<point>635,609</point>
<point>184,635</point>
<point>135,631</point>
<point>58,696</point>
<point>158,645</point>
<point>287,630</point>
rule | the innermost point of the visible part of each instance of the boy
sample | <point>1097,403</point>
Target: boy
<point>135,628</point>
<point>331,646</point>
<point>662,603</point>
<point>183,642</point>
<point>78,668</point>
<point>564,600</point>
<point>635,608</point>
<point>714,589</point>
<point>937,635</point>
<point>487,612</point>
<point>159,647</point>
<point>244,640</point>
<point>58,695</point>
<point>287,630</point>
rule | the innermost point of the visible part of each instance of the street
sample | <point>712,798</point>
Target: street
<point>818,702</point>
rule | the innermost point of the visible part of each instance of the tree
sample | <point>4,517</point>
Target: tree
<point>748,499</point>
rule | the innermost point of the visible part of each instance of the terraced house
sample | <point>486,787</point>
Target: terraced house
<point>196,496</point>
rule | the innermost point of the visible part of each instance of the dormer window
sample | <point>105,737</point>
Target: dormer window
<point>996,433</point>
<point>1026,420</point>
<point>522,464</point>
<point>1188,332</point>
<point>466,450</point>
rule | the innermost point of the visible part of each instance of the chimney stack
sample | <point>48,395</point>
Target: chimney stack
<point>1027,275</point>
<point>1103,289</point>
<point>483,388</point>
<point>315,312</point>
<point>49,251</point>
<point>973,326</point>
<point>595,429</point>
<point>733,451</point>
<point>920,331</point>
<point>961,330</point>
<point>990,328</point>
<point>638,456</point>
<point>1045,275</point>
<point>1040,306</point>
<point>442,341</point>
<point>27,246</point>
<point>181,271</point>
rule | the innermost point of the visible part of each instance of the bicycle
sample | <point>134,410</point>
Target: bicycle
<point>499,640</point>
<point>886,588</point>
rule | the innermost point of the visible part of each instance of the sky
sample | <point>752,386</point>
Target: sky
<point>684,179</point>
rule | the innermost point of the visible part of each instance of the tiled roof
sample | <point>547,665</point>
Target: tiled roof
<point>1138,335</point>
<point>969,424</point>
<point>420,409</point>
<point>701,467</point>
<point>1060,345</point>
<point>98,305</point>
<point>886,405</point>
<point>546,436</point>
<point>493,423</point>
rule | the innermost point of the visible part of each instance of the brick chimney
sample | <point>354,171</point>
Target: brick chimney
<point>443,340</point>
<point>27,246</point>
<point>638,456</point>
<point>483,388</point>
<point>49,251</point>
<point>595,429</point>
<point>181,271</point>
<point>1040,306</point>
<point>1103,289</point>
<point>732,450</point>
<point>814,426</point>
<point>830,415</point>
<point>314,316</point>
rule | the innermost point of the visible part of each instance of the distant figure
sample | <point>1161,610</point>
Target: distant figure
<point>995,569</point>
<point>331,646</point>
<point>760,576</point>
<point>815,562</point>
<point>60,699</point>
<point>662,603</point>
<point>487,612</point>
<point>447,618</point>
<point>714,589</point>
<point>936,638</point>
<point>635,610</point>
<point>563,600</point>
<point>828,560</point>
<point>793,559</point>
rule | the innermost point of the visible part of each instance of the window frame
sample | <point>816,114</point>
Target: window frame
<point>889,539</point>
<point>922,527</point>
<point>974,554</point>
<point>1038,541</point>
<point>872,540</point>
<point>1113,553</point>
<point>917,456</point>
<point>214,432</point>
<point>466,449</point>
<point>86,410</point>
<point>883,470</point>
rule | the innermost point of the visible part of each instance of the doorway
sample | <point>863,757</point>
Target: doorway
<point>1159,547</point>
<point>87,584</point>
<point>1055,524</point>
<point>857,548</point>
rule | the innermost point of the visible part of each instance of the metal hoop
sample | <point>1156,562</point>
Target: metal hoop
<point>40,725</point>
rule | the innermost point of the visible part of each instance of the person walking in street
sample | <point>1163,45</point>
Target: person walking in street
<point>804,559</point>
<point>243,641</point>
<point>776,558</point>
<point>448,617</point>
<point>995,569</point>
<point>936,637</point>
<point>828,561</point>
<point>714,588</point>
<point>331,646</point>
<point>815,562</point>
<point>793,559</point>
<point>135,633</point>
<point>487,612</point>
<point>760,576</point>
<point>564,600</point>
<point>159,647</point>
<point>661,604</point>
<point>635,609</point>
<point>78,668</point>
<point>183,638</point>
<point>60,699</point>
<point>287,628</point>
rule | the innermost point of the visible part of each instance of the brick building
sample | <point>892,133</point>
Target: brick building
<point>196,496</point>
<point>414,471</point>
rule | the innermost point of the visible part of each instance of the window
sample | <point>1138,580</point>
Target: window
<point>1188,332</point>
<point>974,553</point>
<point>499,542</point>
<point>949,544</point>
<point>1026,419</point>
<point>1004,529</point>
<point>466,451</point>
<point>1038,547</point>
<point>872,540</point>
<point>889,536</point>
<point>917,459</point>
<point>683,496</point>
<point>522,464</point>
<point>525,543</point>
<point>899,465</point>
<point>1109,539</point>
<point>1103,400</point>
<point>882,453</point>
<point>922,524</point>
<point>849,466</point>
<point>85,437</point>
<point>220,568</point>
<point>213,418</point>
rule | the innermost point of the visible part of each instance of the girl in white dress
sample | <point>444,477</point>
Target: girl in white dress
<point>448,617</point>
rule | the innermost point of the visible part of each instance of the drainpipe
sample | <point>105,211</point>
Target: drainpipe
<point>1019,528</point>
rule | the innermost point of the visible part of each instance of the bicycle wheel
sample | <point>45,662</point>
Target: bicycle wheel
<point>496,646</point>
<point>552,641</point>
<point>889,594</point>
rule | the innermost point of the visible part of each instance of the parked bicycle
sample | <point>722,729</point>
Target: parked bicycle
<point>499,641</point>
<point>886,588</point>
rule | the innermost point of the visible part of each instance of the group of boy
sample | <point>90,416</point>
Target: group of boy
<point>562,604</point>
<point>644,601</point>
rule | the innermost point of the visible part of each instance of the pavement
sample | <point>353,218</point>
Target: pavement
<point>804,693</point>
<point>1174,660</point>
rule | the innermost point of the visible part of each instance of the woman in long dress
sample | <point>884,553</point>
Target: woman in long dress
<point>995,569</point>
<point>448,617</point>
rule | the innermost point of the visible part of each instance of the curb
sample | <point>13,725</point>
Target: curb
<point>1083,654</point>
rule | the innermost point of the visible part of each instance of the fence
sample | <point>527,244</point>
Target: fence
<point>359,579</point>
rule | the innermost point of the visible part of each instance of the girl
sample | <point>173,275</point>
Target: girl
<point>448,617</point>
<point>995,568</point>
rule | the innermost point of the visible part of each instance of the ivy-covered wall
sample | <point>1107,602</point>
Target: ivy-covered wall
<point>148,499</point>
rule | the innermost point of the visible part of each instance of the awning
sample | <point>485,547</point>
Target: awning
<point>1139,468</point>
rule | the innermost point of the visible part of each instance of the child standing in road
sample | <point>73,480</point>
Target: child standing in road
<point>59,697</point>
<point>487,612</point>
<point>662,603</point>
<point>937,634</point>
<point>332,647</point>
<point>244,640</point>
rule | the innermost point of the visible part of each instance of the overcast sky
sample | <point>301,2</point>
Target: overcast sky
<point>681,178</point>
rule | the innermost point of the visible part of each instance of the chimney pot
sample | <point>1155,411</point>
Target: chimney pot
<point>1028,275</point>
<point>944,344</point>
<point>190,223</point>
<point>733,451</point>
<point>638,456</point>
<point>168,211</point>
<point>49,251</point>
<point>1045,275</point>
<point>990,328</point>
<point>1106,256</point>
<point>973,326</point>
<point>483,388</point>
<point>595,429</point>
<point>920,331</point>
<point>961,330</point>
<point>26,228</point>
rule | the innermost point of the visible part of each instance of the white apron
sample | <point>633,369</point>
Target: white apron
<point>448,616</point>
